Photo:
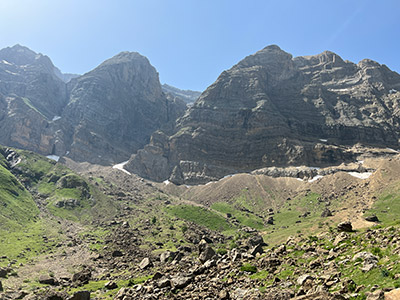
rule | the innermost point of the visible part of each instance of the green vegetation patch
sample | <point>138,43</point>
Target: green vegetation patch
<point>245,218</point>
<point>16,204</point>
<point>387,207</point>
<point>200,216</point>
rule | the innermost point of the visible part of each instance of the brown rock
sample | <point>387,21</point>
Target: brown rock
<point>393,295</point>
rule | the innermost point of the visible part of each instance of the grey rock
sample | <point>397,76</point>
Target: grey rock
<point>340,238</point>
<point>166,256</point>
<point>372,218</point>
<point>163,283</point>
<point>145,263</point>
<point>46,279</point>
<point>3,272</point>
<point>81,295</point>
<point>111,285</point>
<point>207,254</point>
<point>302,279</point>
<point>82,277</point>
<point>180,281</point>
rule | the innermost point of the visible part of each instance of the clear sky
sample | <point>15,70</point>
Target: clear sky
<point>190,42</point>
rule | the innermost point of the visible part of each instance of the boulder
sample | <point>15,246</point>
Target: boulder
<point>46,279</point>
<point>341,237</point>
<point>163,283</point>
<point>82,277</point>
<point>372,218</point>
<point>145,263</point>
<point>303,278</point>
<point>206,254</point>
<point>3,272</point>
<point>180,281</point>
<point>81,295</point>
<point>345,226</point>
<point>110,285</point>
<point>393,295</point>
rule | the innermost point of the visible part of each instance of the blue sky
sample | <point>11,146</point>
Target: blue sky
<point>190,42</point>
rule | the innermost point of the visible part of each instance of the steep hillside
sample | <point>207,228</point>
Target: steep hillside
<point>275,110</point>
<point>113,235</point>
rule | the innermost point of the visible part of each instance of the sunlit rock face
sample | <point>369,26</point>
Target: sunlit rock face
<point>275,110</point>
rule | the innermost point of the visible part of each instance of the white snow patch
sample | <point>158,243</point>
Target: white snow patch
<point>67,153</point>
<point>6,62</point>
<point>55,118</point>
<point>364,175</point>
<point>361,162</point>
<point>166,182</point>
<point>390,149</point>
<point>53,157</point>
<point>299,179</point>
<point>227,176</point>
<point>120,166</point>
<point>315,178</point>
<point>323,140</point>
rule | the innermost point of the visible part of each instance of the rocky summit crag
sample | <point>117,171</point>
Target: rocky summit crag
<point>275,110</point>
<point>101,117</point>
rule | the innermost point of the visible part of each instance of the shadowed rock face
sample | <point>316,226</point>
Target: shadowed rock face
<point>101,117</point>
<point>275,110</point>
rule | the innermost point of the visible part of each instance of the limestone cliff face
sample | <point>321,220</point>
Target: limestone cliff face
<point>113,110</point>
<point>102,117</point>
<point>275,110</point>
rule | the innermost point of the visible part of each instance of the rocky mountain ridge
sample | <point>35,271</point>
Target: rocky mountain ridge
<point>102,116</point>
<point>275,110</point>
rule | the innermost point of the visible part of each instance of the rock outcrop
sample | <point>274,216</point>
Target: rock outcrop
<point>275,110</point>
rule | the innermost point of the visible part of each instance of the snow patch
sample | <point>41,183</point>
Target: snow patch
<point>53,157</point>
<point>166,182</point>
<point>315,178</point>
<point>390,149</point>
<point>6,62</point>
<point>55,118</point>
<point>364,175</point>
<point>361,162</point>
<point>323,140</point>
<point>120,167</point>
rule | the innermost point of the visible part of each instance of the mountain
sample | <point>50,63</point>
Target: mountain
<point>102,116</point>
<point>113,110</point>
<point>188,96</point>
<point>271,109</point>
